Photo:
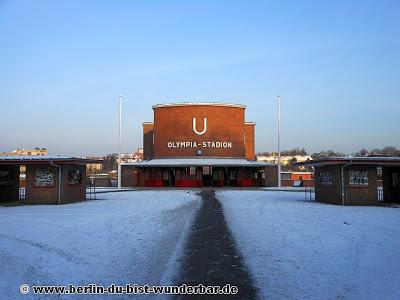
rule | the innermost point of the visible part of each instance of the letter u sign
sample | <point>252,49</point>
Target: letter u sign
<point>204,127</point>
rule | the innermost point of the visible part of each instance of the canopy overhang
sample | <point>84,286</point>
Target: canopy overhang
<point>24,160</point>
<point>379,161</point>
<point>198,162</point>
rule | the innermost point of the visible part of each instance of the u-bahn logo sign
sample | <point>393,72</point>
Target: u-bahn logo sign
<point>204,127</point>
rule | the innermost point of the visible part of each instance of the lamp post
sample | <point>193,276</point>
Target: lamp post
<point>279,141</point>
<point>119,142</point>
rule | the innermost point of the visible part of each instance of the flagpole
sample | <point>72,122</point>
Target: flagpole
<point>119,142</point>
<point>279,141</point>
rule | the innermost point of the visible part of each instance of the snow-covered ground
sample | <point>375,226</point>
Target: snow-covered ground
<point>130,237</point>
<point>297,249</point>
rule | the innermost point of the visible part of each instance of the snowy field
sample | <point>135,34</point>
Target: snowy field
<point>130,237</point>
<point>297,249</point>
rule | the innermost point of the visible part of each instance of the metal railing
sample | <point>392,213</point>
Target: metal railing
<point>91,189</point>
<point>380,194</point>
<point>21,195</point>
<point>309,194</point>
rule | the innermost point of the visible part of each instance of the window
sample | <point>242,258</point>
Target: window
<point>192,171</point>
<point>379,173</point>
<point>206,170</point>
<point>358,178</point>
<point>75,176</point>
<point>325,179</point>
<point>165,175</point>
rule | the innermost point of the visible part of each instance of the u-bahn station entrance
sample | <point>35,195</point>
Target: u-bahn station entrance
<point>48,180</point>
<point>196,145</point>
<point>357,180</point>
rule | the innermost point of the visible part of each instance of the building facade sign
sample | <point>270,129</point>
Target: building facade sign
<point>190,130</point>
<point>195,144</point>
<point>204,127</point>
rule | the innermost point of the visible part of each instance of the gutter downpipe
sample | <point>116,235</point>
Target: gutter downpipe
<point>343,185</point>
<point>59,180</point>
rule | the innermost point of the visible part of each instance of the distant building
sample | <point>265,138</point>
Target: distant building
<point>303,179</point>
<point>27,152</point>
<point>133,157</point>
<point>285,160</point>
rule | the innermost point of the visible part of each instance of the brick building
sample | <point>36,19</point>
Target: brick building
<point>49,180</point>
<point>357,180</point>
<point>27,152</point>
<point>199,144</point>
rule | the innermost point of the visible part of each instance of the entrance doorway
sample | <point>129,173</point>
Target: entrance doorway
<point>391,184</point>
<point>207,176</point>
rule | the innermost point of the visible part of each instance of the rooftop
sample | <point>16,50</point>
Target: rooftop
<point>373,160</point>
<point>198,104</point>
<point>25,159</point>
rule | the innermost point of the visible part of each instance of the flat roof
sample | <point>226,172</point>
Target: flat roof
<point>199,104</point>
<point>186,162</point>
<point>370,160</point>
<point>25,159</point>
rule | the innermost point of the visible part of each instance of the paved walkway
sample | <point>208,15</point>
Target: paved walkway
<point>211,255</point>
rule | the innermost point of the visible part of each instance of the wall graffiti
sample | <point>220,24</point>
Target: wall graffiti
<point>44,178</point>
<point>325,178</point>
<point>358,178</point>
<point>75,176</point>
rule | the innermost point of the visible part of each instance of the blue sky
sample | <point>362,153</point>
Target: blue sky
<point>336,65</point>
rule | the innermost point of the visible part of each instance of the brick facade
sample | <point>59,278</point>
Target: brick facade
<point>184,131</point>
<point>249,141</point>
<point>353,195</point>
<point>362,195</point>
<point>49,195</point>
<point>174,124</point>
<point>148,131</point>
<point>328,193</point>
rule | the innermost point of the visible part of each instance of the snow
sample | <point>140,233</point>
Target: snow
<point>130,237</point>
<point>101,189</point>
<point>299,249</point>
